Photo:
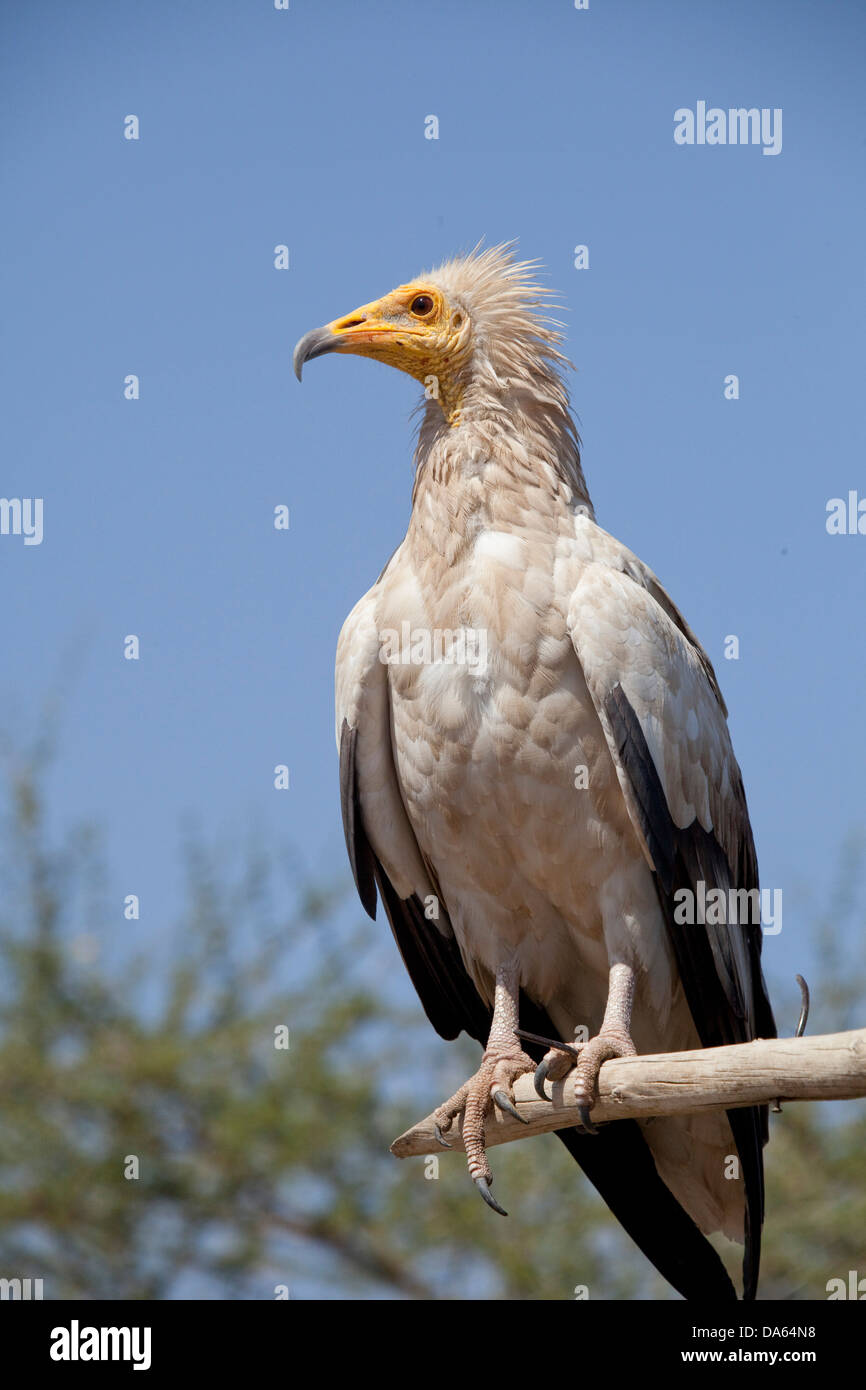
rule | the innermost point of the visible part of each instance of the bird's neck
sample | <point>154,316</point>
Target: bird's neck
<point>497,468</point>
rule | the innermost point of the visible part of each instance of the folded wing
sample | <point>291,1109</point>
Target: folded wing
<point>665,722</point>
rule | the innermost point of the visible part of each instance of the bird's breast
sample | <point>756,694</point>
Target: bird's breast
<point>505,771</point>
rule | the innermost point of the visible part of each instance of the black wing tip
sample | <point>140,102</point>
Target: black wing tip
<point>361,856</point>
<point>619,1164</point>
<point>720,1008</point>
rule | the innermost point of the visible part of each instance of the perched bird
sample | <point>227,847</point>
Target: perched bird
<point>535,763</point>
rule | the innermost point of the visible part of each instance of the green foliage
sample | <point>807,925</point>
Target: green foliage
<point>261,1166</point>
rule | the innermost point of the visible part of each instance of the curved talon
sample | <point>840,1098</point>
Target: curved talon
<point>505,1103</point>
<point>539,1079</point>
<point>804,1006</point>
<point>583,1112</point>
<point>489,1089</point>
<point>483,1185</point>
<point>801,1028</point>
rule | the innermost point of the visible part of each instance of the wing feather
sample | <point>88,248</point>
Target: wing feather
<point>659,704</point>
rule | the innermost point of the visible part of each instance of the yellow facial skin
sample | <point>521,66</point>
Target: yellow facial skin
<point>412,328</point>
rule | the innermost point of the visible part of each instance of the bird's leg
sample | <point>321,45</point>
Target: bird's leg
<point>614,1040</point>
<point>493,1083</point>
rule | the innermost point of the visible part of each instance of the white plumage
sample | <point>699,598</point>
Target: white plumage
<point>551,802</point>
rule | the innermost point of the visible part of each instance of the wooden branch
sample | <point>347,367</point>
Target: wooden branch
<point>832,1067</point>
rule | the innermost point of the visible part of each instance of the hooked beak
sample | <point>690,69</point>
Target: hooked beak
<point>314,344</point>
<point>370,331</point>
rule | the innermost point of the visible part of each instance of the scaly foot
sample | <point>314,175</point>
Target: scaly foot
<point>587,1060</point>
<point>602,1048</point>
<point>492,1084</point>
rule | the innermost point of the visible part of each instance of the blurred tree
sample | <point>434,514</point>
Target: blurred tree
<point>157,1140</point>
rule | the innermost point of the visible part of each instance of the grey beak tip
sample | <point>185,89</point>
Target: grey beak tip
<point>314,344</point>
<point>299,357</point>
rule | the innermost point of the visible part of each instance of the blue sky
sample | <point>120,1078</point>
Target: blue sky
<point>306,127</point>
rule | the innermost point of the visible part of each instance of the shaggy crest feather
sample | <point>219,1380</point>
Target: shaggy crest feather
<point>514,374</point>
<point>505,302</point>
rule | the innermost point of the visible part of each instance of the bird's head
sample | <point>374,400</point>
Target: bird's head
<point>416,328</point>
<point>473,319</point>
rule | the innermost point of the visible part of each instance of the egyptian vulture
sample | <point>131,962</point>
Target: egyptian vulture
<point>535,761</point>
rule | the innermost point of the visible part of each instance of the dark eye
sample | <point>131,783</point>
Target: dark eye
<point>421,304</point>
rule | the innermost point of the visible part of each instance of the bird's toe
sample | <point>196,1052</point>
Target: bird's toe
<point>555,1065</point>
<point>593,1055</point>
